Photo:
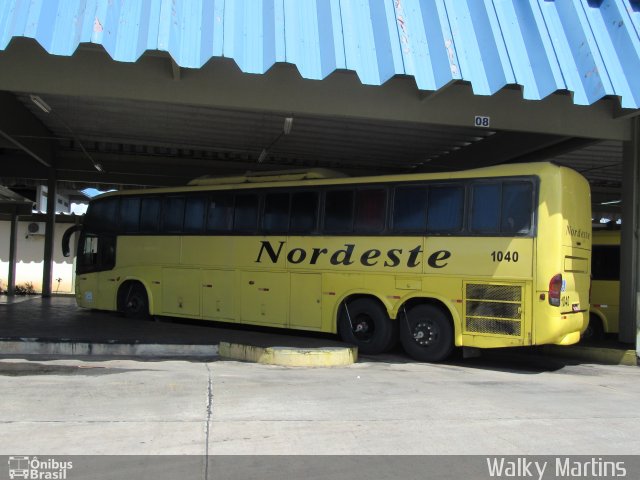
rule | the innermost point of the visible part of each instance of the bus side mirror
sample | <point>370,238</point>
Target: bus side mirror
<point>66,250</point>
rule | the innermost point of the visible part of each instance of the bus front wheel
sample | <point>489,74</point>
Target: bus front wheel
<point>426,333</point>
<point>136,303</point>
<point>365,323</point>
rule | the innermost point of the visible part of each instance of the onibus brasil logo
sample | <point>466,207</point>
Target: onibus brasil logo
<point>38,469</point>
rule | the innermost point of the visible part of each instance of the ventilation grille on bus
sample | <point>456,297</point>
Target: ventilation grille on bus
<point>494,309</point>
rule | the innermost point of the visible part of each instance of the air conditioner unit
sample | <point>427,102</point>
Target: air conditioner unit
<point>36,228</point>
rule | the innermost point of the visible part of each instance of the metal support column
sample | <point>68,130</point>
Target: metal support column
<point>13,254</point>
<point>630,247</point>
<point>47,272</point>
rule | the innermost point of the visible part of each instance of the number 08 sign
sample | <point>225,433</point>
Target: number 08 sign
<point>482,121</point>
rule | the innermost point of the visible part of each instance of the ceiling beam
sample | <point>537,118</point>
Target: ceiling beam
<point>501,148</point>
<point>90,72</point>
<point>17,121</point>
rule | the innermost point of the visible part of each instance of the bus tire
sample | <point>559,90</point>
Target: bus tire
<point>136,303</point>
<point>595,330</point>
<point>426,333</point>
<point>370,328</point>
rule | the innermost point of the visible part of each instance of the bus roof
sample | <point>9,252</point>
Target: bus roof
<point>264,177</point>
<point>324,177</point>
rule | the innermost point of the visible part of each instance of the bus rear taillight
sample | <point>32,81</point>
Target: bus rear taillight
<point>555,288</point>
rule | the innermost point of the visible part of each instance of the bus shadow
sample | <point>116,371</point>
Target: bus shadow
<point>29,369</point>
<point>524,361</point>
<point>517,361</point>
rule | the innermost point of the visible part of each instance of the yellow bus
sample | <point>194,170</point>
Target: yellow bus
<point>492,257</point>
<point>605,285</point>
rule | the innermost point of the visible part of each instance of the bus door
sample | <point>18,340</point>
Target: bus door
<point>95,279</point>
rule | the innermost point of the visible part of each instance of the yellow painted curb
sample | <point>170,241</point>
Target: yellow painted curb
<point>290,356</point>
<point>610,356</point>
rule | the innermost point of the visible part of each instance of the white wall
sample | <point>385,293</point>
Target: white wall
<point>30,258</point>
<point>63,204</point>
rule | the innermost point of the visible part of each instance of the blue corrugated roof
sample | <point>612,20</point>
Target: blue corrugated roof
<point>589,47</point>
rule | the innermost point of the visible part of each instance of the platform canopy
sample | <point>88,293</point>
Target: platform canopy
<point>12,203</point>
<point>589,48</point>
<point>156,92</point>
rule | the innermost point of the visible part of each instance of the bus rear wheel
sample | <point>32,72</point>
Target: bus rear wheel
<point>426,333</point>
<point>136,302</point>
<point>594,331</point>
<point>365,323</point>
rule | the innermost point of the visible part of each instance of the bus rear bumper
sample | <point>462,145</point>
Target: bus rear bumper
<point>564,329</point>
<point>569,339</point>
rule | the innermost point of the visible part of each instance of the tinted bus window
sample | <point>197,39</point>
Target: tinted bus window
<point>88,252</point>
<point>276,212</point>
<point>485,207</point>
<point>107,251</point>
<point>246,213</point>
<point>172,214</point>
<point>516,207</point>
<point>370,210</point>
<point>220,212</point>
<point>304,212</point>
<point>445,209</point>
<point>130,214</point>
<point>410,209</point>
<point>194,215</point>
<point>605,262</point>
<point>103,215</point>
<point>149,214</point>
<point>338,211</point>
<point>96,253</point>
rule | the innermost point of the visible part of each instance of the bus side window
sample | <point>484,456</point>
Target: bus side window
<point>89,255</point>
<point>97,253</point>
<point>276,213</point>
<point>485,207</point>
<point>605,262</point>
<point>130,214</point>
<point>445,209</point>
<point>304,212</point>
<point>246,213</point>
<point>194,214</point>
<point>149,214</point>
<point>410,209</point>
<point>103,215</point>
<point>220,216</point>
<point>107,252</point>
<point>371,207</point>
<point>172,214</point>
<point>338,211</point>
<point>517,207</point>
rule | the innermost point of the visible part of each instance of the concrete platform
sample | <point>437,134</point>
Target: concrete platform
<point>56,326</point>
<point>290,356</point>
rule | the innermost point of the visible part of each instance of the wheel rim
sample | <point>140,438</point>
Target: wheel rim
<point>134,304</point>
<point>425,333</point>
<point>363,328</point>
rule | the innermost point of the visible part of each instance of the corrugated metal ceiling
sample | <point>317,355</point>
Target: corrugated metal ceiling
<point>113,126</point>
<point>588,47</point>
<point>601,163</point>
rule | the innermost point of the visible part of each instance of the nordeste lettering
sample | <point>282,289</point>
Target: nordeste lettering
<point>348,254</point>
